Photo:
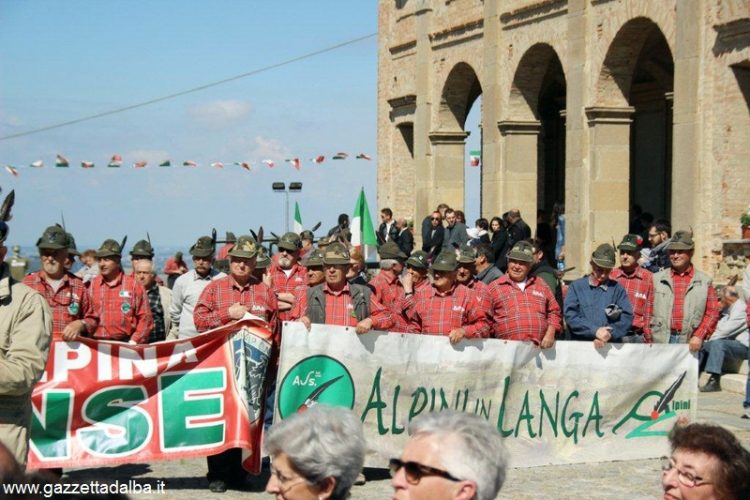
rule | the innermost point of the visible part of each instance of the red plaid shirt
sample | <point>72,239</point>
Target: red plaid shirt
<point>71,302</point>
<point>340,310</point>
<point>482,294</point>
<point>640,288</point>
<point>438,313</point>
<point>523,314</point>
<point>410,302</point>
<point>212,309</point>
<point>122,306</point>
<point>296,284</point>
<point>681,281</point>
<point>388,291</point>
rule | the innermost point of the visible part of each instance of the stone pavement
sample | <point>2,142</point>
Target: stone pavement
<point>626,479</point>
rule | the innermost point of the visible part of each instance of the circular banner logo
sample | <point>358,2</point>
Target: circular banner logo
<point>313,380</point>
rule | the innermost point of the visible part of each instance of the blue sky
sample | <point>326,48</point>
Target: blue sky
<point>64,60</point>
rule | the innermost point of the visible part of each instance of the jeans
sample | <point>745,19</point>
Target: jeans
<point>722,355</point>
<point>675,339</point>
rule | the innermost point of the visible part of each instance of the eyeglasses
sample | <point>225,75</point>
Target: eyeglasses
<point>414,471</point>
<point>286,483</point>
<point>436,218</point>
<point>653,235</point>
<point>686,478</point>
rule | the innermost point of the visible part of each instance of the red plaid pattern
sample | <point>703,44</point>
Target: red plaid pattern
<point>212,309</point>
<point>748,313</point>
<point>295,284</point>
<point>482,293</point>
<point>640,288</point>
<point>388,291</point>
<point>339,309</point>
<point>122,306</point>
<point>438,313</point>
<point>681,281</point>
<point>410,301</point>
<point>71,302</point>
<point>523,314</point>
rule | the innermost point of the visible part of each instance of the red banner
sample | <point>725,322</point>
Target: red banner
<point>104,403</point>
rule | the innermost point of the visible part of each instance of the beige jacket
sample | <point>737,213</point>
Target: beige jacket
<point>25,333</point>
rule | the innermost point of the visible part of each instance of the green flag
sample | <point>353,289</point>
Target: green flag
<point>363,233</point>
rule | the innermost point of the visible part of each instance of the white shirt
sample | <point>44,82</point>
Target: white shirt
<point>185,293</point>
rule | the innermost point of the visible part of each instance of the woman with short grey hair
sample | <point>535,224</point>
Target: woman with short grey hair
<point>315,454</point>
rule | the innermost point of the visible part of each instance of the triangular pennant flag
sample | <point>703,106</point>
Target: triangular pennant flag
<point>189,163</point>
<point>37,164</point>
<point>475,158</point>
<point>363,233</point>
<point>297,219</point>
<point>362,156</point>
<point>217,164</point>
<point>294,162</point>
<point>243,164</point>
<point>11,170</point>
<point>165,163</point>
<point>270,163</point>
<point>61,161</point>
<point>115,162</point>
<point>140,164</point>
<point>87,164</point>
<point>340,156</point>
<point>318,159</point>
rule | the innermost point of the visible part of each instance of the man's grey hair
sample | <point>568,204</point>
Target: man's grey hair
<point>470,448</point>
<point>322,442</point>
<point>387,264</point>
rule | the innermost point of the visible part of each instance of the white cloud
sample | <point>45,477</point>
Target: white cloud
<point>218,114</point>
<point>269,148</point>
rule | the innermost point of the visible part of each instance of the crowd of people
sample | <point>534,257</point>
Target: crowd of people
<point>491,281</point>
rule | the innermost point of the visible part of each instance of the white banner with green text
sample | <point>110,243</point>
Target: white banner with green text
<point>569,404</point>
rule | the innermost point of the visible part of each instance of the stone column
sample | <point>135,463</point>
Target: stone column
<point>423,185</point>
<point>608,185</point>
<point>519,189</point>
<point>448,168</point>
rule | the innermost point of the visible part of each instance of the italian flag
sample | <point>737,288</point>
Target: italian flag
<point>294,162</point>
<point>87,164</point>
<point>363,233</point>
<point>318,159</point>
<point>37,164</point>
<point>217,164</point>
<point>340,156</point>
<point>270,163</point>
<point>165,163</point>
<point>61,161</point>
<point>115,162</point>
<point>243,164</point>
<point>140,164</point>
<point>11,170</point>
<point>475,158</point>
<point>362,156</point>
<point>189,163</point>
<point>297,219</point>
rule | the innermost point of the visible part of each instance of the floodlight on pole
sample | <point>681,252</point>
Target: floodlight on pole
<point>280,187</point>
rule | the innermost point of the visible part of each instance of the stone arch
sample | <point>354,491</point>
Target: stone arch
<point>631,54</point>
<point>460,91</point>
<point>535,132</point>
<point>635,89</point>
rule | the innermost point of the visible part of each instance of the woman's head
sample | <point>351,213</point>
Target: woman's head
<point>316,454</point>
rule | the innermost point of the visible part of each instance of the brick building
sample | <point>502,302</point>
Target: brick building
<point>600,104</point>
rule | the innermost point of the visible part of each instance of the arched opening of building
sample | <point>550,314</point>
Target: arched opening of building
<point>537,112</point>
<point>473,166</point>
<point>448,139</point>
<point>641,64</point>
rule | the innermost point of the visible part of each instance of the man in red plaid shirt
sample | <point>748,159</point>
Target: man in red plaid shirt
<point>119,300</point>
<point>225,300</point>
<point>386,286</point>
<point>288,277</point>
<point>72,311</point>
<point>414,280</point>
<point>466,276</point>
<point>447,307</point>
<point>639,284</point>
<point>338,302</point>
<point>523,306</point>
<point>685,306</point>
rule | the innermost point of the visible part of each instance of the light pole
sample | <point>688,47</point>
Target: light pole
<point>280,187</point>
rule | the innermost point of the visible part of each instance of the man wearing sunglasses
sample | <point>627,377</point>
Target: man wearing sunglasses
<point>288,277</point>
<point>450,455</point>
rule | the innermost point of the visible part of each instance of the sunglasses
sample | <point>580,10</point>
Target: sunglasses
<point>414,471</point>
<point>436,218</point>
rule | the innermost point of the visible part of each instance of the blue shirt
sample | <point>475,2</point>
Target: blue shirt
<point>585,309</point>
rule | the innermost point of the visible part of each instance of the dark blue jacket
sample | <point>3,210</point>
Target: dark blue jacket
<point>585,309</point>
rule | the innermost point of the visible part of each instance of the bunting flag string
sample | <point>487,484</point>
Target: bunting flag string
<point>116,161</point>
